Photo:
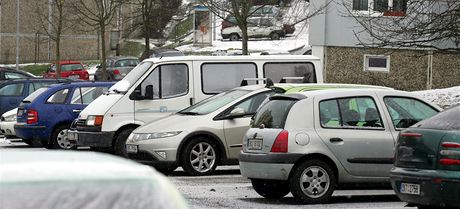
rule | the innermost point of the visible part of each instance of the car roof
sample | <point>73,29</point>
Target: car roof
<point>21,80</point>
<point>338,91</point>
<point>230,58</point>
<point>79,83</point>
<point>63,62</point>
<point>122,58</point>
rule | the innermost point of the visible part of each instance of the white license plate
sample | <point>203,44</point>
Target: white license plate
<point>20,112</point>
<point>407,188</point>
<point>74,76</point>
<point>255,144</point>
<point>73,137</point>
<point>131,148</point>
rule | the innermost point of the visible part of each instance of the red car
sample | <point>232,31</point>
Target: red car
<point>69,69</point>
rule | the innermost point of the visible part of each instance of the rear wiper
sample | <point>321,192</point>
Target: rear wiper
<point>189,113</point>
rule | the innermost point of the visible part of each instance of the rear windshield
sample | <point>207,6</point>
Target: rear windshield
<point>68,67</point>
<point>273,114</point>
<point>446,120</point>
<point>35,94</point>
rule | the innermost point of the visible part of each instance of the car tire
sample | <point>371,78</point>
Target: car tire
<point>120,142</point>
<point>234,37</point>
<point>32,143</point>
<point>200,157</point>
<point>270,189</point>
<point>312,182</point>
<point>59,139</point>
<point>275,36</point>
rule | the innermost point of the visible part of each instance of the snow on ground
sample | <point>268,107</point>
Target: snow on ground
<point>443,97</point>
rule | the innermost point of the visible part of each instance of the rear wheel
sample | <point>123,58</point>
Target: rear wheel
<point>200,157</point>
<point>275,36</point>
<point>60,139</point>
<point>270,189</point>
<point>234,37</point>
<point>120,142</point>
<point>312,182</point>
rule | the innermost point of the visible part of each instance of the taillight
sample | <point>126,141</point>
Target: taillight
<point>412,135</point>
<point>281,142</point>
<point>116,72</point>
<point>450,145</point>
<point>448,161</point>
<point>32,116</point>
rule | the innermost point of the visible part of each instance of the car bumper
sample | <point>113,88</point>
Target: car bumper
<point>25,131</point>
<point>160,149</point>
<point>91,139</point>
<point>437,188</point>
<point>150,159</point>
<point>7,128</point>
<point>274,166</point>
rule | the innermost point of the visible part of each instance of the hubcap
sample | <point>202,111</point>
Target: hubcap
<point>202,157</point>
<point>314,181</point>
<point>63,140</point>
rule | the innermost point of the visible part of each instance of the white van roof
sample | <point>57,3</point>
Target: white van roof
<point>272,58</point>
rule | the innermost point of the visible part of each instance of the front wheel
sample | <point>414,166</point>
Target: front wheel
<point>60,139</point>
<point>234,37</point>
<point>120,142</point>
<point>270,189</point>
<point>200,157</point>
<point>312,182</point>
<point>275,36</point>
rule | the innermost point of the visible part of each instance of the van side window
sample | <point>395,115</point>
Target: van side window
<point>219,77</point>
<point>355,112</point>
<point>298,72</point>
<point>168,81</point>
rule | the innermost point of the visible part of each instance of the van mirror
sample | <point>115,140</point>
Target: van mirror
<point>148,92</point>
<point>136,95</point>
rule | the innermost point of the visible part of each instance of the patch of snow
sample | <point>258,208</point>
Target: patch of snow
<point>443,97</point>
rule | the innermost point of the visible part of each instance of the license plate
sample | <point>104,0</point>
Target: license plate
<point>20,112</point>
<point>407,188</point>
<point>74,76</point>
<point>131,148</point>
<point>73,137</point>
<point>255,144</point>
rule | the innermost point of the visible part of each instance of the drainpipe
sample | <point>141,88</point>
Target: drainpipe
<point>429,72</point>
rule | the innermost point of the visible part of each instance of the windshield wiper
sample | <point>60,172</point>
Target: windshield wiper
<point>189,113</point>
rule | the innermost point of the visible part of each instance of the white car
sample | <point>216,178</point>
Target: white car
<point>75,180</point>
<point>7,121</point>
<point>258,27</point>
<point>92,71</point>
<point>307,143</point>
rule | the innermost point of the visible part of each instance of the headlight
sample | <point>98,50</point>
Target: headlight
<point>94,120</point>
<point>139,137</point>
<point>11,118</point>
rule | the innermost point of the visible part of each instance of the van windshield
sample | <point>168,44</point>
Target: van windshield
<point>130,79</point>
<point>213,103</point>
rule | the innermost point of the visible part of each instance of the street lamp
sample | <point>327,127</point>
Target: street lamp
<point>17,35</point>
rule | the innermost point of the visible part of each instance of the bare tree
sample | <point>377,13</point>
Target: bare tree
<point>425,24</point>
<point>55,18</point>
<point>98,14</point>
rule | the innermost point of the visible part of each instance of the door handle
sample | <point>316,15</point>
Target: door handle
<point>335,140</point>
<point>76,110</point>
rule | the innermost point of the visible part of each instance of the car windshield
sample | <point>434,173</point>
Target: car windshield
<point>35,94</point>
<point>130,79</point>
<point>213,103</point>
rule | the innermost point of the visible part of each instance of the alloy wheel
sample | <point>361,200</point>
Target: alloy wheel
<point>202,157</point>
<point>314,181</point>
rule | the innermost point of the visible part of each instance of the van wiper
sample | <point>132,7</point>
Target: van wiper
<point>189,113</point>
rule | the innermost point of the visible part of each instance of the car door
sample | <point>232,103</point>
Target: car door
<point>82,96</point>
<point>55,109</point>
<point>172,91</point>
<point>355,130</point>
<point>11,95</point>
<point>235,128</point>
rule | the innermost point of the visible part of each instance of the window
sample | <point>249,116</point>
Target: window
<point>290,72</point>
<point>59,97</point>
<point>126,63</point>
<point>219,77</point>
<point>168,81</point>
<point>361,5</point>
<point>358,112</point>
<point>387,7</point>
<point>68,67</point>
<point>379,63</point>
<point>15,89</point>
<point>86,95</point>
<point>406,112</point>
<point>215,102</point>
<point>251,104</point>
<point>12,75</point>
<point>36,85</point>
<point>273,114</point>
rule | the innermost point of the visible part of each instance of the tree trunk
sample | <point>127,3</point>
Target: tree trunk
<point>103,53</point>
<point>244,41</point>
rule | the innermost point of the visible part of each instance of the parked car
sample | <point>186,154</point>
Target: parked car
<point>7,121</point>
<point>74,180</point>
<point>9,73</point>
<point>208,133</point>
<point>69,69</point>
<point>258,27</point>
<point>92,71</point>
<point>426,172</point>
<point>307,143</point>
<point>117,68</point>
<point>45,116</point>
<point>12,92</point>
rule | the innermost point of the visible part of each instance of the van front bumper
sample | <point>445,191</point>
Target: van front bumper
<point>91,139</point>
<point>273,166</point>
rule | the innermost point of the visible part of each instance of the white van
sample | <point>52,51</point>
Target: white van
<point>159,87</point>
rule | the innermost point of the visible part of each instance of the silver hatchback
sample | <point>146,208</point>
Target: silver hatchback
<point>307,143</point>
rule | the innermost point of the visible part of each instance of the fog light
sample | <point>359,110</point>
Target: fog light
<point>162,154</point>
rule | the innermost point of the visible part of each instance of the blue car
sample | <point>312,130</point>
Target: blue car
<point>44,117</point>
<point>13,91</point>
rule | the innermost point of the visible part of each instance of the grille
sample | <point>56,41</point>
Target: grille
<point>81,122</point>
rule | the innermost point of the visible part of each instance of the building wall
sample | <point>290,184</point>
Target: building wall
<point>446,70</point>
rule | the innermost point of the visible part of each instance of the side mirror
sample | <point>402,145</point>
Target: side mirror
<point>136,95</point>
<point>148,92</point>
<point>237,112</point>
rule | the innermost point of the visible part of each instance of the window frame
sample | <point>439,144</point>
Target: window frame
<point>160,94</point>
<point>383,128</point>
<point>367,68</point>
<point>314,69</point>
<point>229,63</point>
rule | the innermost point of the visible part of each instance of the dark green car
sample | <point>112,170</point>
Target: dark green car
<point>427,162</point>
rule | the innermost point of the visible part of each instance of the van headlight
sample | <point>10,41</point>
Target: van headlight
<point>94,120</point>
<point>134,137</point>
